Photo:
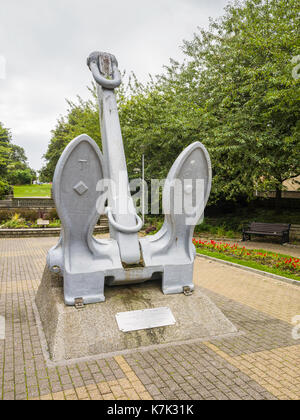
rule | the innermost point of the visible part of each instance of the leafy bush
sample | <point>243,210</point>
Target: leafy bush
<point>4,189</point>
<point>219,230</point>
<point>151,230</point>
<point>18,222</point>
<point>27,214</point>
<point>203,227</point>
<point>53,214</point>
<point>55,223</point>
<point>15,222</point>
<point>20,177</point>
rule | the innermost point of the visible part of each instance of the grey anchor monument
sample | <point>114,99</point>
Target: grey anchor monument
<point>80,266</point>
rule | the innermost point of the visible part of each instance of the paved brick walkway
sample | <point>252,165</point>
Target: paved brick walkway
<point>261,363</point>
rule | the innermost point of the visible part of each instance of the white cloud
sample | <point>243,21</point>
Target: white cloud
<point>46,43</point>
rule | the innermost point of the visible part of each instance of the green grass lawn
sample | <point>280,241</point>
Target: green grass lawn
<point>32,190</point>
<point>252,264</point>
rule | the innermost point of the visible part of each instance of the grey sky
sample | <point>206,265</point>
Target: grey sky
<point>45,44</point>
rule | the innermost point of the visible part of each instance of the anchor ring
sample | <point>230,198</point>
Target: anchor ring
<point>124,229</point>
<point>93,63</point>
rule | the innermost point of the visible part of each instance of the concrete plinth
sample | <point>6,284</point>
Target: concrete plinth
<point>73,333</point>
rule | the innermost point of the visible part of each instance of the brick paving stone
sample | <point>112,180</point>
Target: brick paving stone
<point>152,389</point>
<point>263,363</point>
<point>132,394</point>
<point>98,377</point>
<point>268,296</point>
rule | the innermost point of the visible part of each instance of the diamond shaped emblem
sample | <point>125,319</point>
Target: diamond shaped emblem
<point>80,188</point>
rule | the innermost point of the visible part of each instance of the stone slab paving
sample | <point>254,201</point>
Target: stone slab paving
<point>263,362</point>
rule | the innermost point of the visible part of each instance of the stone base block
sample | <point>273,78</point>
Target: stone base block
<point>74,333</point>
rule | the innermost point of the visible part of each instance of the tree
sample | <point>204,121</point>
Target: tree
<point>234,92</point>
<point>18,170</point>
<point>20,177</point>
<point>14,168</point>
<point>18,154</point>
<point>5,150</point>
<point>4,189</point>
<point>81,118</point>
<point>159,121</point>
<point>251,101</point>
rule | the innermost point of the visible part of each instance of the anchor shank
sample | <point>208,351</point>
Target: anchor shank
<point>119,198</point>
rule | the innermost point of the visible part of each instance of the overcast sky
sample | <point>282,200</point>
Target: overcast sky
<point>45,44</point>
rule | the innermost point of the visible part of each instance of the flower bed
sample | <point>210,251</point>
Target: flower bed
<point>280,262</point>
<point>18,222</point>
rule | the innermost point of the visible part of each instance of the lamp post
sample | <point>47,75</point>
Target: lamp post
<point>137,170</point>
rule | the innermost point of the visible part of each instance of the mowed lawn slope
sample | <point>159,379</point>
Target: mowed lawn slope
<point>32,190</point>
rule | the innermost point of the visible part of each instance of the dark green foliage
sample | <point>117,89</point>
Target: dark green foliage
<point>235,93</point>
<point>5,151</point>
<point>235,220</point>
<point>82,118</point>
<point>14,168</point>
<point>4,188</point>
<point>29,215</point>
<point>20,177</point>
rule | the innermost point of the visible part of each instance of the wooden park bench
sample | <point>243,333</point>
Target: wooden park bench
<point>267,229</point>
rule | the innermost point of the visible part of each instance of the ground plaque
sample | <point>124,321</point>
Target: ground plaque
<point>145,319</point>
